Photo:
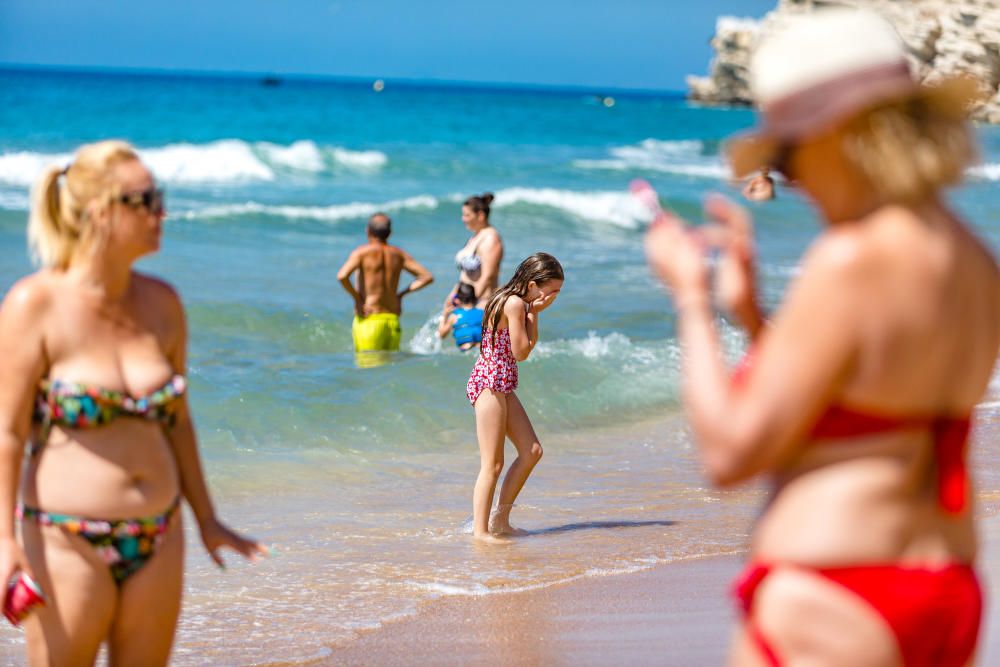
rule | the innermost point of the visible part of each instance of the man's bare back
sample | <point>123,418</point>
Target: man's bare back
<point>379,267</point>
<point>378,279</point>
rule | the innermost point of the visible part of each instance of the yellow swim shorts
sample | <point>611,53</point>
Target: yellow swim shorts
<point>376,332</point>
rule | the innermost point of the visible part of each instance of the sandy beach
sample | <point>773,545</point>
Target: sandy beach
<point>676,614</point>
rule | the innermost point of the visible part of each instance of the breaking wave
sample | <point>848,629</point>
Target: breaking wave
<point>217,162</point>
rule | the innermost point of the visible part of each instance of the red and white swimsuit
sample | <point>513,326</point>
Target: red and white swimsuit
<point>496,367</point>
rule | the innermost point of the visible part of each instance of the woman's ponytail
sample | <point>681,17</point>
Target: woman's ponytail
<point>49,241</point>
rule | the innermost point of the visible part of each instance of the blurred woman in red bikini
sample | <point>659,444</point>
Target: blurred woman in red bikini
<point>858,394</point>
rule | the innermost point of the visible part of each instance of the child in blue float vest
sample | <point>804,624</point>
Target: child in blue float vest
<point>465,322</point>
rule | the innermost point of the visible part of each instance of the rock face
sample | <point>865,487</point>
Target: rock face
<point>944,37</point>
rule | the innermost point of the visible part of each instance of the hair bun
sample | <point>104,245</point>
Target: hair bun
<point>487,197</point>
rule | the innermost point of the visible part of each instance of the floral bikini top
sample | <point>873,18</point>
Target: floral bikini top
<point>79,405</point>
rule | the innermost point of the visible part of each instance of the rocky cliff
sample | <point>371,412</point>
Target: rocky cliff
<point>943,37</point>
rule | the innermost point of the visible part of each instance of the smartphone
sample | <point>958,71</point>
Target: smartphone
<point>23,595</point>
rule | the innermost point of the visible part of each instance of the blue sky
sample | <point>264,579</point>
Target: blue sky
<point>649,44</point>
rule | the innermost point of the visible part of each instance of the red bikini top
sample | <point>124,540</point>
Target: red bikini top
<point>950,433</point>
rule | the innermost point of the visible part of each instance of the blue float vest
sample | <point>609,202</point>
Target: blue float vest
<point>469,325</point>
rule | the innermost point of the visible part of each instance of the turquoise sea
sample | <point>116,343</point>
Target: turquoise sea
<point>362,478</point>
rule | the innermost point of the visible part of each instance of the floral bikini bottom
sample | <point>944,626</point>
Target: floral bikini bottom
<point>125,545</point>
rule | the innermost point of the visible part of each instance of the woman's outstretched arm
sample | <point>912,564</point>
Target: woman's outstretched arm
<point>181,434</point>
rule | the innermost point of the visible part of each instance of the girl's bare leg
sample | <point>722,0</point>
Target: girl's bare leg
<point>529,453</point>
<point>149,604</point>
<point>491,420</point>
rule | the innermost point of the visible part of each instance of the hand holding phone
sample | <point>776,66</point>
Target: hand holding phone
<point>675,254</point>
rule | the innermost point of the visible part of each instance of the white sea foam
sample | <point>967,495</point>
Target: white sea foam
<point>217,162</point>
<point>13,201</point>
<point>301,155</point>
<point>480,590</point>
<point>616,207</point>
<point>426,339</point>
<point>476,589</point>
<point>632,359</point>
<point>332,213</point>
<point>987,172</point>
<point>681,147</point>
<point>592,347</point>
<point>673,157</point>
<point>359,159</point>
<point>23,168</point>
<point>437,589</point>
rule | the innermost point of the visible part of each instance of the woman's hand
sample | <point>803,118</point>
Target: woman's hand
<point>215,534</point>
<point>12,560</point>
<point>677,256</point>
<point>735,274</point>
<point>543,302</point>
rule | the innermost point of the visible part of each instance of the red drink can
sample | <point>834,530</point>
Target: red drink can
<point>23,595</point>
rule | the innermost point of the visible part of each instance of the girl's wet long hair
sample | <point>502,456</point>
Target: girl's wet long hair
<point>540,267</point>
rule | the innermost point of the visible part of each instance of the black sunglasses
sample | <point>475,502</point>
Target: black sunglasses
<point>150,199</point>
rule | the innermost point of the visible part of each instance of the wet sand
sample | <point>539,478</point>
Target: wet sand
<point>674,614</point>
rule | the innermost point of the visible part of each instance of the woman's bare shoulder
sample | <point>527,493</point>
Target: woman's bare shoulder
<point>32,294</point>
<point>156,286</point>
<point>845,249</point>
<point>158,292</point>
<point>491,236</point>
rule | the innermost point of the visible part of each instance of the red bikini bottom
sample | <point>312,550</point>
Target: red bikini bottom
<point>933,613</point>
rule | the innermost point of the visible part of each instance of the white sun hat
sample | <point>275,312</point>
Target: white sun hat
<point>823,67</point>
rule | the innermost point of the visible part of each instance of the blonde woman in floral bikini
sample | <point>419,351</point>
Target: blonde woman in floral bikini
<point>96,352</point>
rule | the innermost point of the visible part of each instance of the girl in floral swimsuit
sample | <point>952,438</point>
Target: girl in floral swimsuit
<point>510,331</point>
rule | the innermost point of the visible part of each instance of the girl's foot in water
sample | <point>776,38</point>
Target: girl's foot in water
<point>489,538</point>
<point>500,522</point>
<point>508,530</point>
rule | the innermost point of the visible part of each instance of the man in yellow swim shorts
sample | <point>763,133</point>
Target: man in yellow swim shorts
<point>377,298</point>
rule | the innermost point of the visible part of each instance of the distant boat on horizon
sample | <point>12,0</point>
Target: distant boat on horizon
<point>270,81</point>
